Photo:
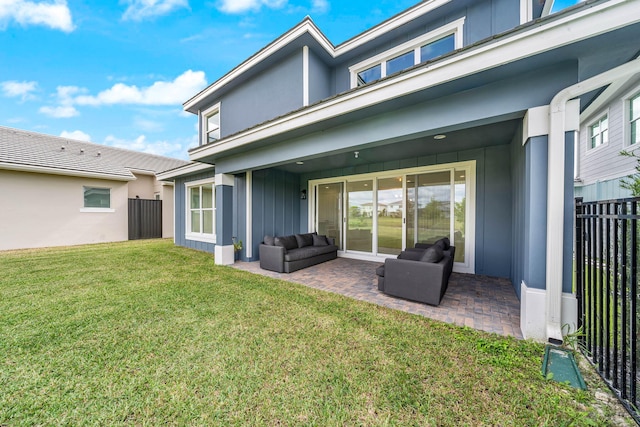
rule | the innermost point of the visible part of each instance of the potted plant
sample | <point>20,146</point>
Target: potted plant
<point>237,247</point>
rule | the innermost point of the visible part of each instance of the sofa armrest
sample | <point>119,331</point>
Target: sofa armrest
<point>272,258</point>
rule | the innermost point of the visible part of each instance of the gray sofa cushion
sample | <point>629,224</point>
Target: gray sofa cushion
<point>412,255</point>
<point>304,240</point>
<point>319,240</point>
<point>308,252</point>
<point>269,240</point>
<point>433,254</point>
<point>287,242</point>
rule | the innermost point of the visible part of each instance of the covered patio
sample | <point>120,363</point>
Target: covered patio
<point>480,302</point>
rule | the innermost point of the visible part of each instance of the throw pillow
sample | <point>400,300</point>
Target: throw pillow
<point>304,240</point>
<point>269,240</point>
<point>319,240</point>
<point>287,242</point>
<point>444,243</point>
<point>433,254</point>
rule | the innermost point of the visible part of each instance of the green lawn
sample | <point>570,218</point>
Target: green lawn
<point>146,333</point>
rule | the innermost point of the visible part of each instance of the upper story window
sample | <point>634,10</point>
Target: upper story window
<point>634,120</point>
<point>599,132</point>
<point>200,211</point>
<point>211,125</point>
<point>421,49</point>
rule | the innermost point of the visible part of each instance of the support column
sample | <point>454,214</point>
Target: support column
<point>224,254</point>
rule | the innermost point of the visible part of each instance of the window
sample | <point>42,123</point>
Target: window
<point>95,197</point>
<point>213,127</point>
<point>599,132</point>
<point>416,51</point>
<point>634,120</point>
<point>201,211</point>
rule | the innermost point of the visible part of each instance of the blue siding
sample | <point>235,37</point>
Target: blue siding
<point>518,197</point>
<point>567,254</point>
<point>270,94</point>
<point>493,200</point>
<point>239,211</point>
<point>276,205</point>
<point>535,242</point>
<point>180,199</point>
<point>319,79</point>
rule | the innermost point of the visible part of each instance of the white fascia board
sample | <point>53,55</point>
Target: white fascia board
<point>183,170</point>
<point>532,41</point>
<point>65,172</point>
<point>307,26</point>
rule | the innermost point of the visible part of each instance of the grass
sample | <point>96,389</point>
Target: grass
<point>146,333</point>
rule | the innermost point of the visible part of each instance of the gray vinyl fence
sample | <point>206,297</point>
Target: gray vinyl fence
<point>145,219</point>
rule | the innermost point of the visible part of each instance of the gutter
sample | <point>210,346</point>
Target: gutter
<point>555,192</point>
<point>65,172</point>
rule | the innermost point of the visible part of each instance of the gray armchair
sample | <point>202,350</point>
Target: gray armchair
<point>416,275</point>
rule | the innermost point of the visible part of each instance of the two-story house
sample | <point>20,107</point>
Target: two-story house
<point>467,109</point>
<point>609,125</point>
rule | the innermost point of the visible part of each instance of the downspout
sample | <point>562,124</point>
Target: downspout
<point>555,188</point>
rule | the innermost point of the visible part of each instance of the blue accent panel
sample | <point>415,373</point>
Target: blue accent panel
<point>276,204</point>
<point>535,267</point>
<point>567,250</point>
<point>180,200</point>
<point>274,92</point>
<point>319,79</point>
<point>518,197</point>
<point>239,211</point>
<point>224,215</point>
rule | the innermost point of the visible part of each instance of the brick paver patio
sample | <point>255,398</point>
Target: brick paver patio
<point>480,302</point>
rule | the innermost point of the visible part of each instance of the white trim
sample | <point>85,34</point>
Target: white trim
<point>307,26</point>
<point>598,118</point>
<point>536,121</point>
<point>249,215</point>
<point>532,318</point>
<point>605,97</point>
<point>225,179</point>
<point>184,170</point>
<point>65,172</point>
<point>453,28</point>
<point>97,210</point>
<point>305,76</point>
<point>188,234</point>
<point>470,214</point>
<point>526,11</point>
<point>592,21</point>
<point>626,123</point>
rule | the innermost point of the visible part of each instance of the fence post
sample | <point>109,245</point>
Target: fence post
<point>579,263</point>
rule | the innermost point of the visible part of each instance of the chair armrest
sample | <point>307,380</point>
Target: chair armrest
<point>272,258</point>
<point>416,280</point>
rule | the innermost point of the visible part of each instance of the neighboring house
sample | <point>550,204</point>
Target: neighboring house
<point>469,109</point>
<point>56,191</point>
<point>609,125</point>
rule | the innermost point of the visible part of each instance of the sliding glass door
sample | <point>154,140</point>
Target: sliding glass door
<point>329,211</point>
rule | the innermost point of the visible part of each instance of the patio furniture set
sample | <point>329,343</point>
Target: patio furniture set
<point>419,274</point>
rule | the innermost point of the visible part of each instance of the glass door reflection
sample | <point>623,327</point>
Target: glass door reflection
<point>329,211</point>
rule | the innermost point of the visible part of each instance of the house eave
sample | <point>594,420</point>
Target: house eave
<point>183,170</point>
<point>65,172</point>
<point>527,41</point>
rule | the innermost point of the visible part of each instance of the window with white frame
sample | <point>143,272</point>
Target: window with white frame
<point>599,132</point>
<point>213,127</point>
<point>634,120</point>
<point>200,213</point>
<point>421,49</point>
<point>96,197</point>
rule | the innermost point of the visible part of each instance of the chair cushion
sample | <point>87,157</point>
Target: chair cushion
<point>380,270</point>
<point>304,239</point>
<point>444,243</point>
<point>308,252</point>
<point>319,240</point>
<point>287,242</point>
<point>412,255</point>
<point>433,254</point>
<point>269,240</point>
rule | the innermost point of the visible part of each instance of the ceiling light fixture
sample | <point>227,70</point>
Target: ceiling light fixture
<point>299,163</point>
<point>440,136</point>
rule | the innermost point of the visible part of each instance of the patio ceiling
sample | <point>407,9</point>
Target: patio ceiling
<point>465,139</point>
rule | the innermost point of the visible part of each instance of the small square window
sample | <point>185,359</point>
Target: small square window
<point>369,75</point>
<point>97,197</point>
<point>599,132</point>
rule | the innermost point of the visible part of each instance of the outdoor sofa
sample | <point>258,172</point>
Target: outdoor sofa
<point>286,254</point>
<point>418,274</point>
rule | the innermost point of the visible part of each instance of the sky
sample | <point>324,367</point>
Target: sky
<point>117,72</point>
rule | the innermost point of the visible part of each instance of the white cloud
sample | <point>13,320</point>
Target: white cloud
<point>143,9</point>
<point>76,134</point>
<point>159,93</point>
<point>60,112</point>
<point>320,6</point>
<point>55,14</point>
<point>174,148</point>
<point>13,89</point>
<point>241,6</point>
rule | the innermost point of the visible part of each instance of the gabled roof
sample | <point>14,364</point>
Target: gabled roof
<point>35,152</point>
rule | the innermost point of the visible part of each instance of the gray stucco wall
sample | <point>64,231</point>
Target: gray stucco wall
<point>493,200</point>
<point>275,205</point>
<point>268,95</point>
<point>180,212</point>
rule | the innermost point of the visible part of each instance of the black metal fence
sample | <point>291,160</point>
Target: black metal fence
<point>145,219</point>
<point>606,254</point>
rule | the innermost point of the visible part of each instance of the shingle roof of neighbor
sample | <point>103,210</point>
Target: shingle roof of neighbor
<point>26,150</point>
